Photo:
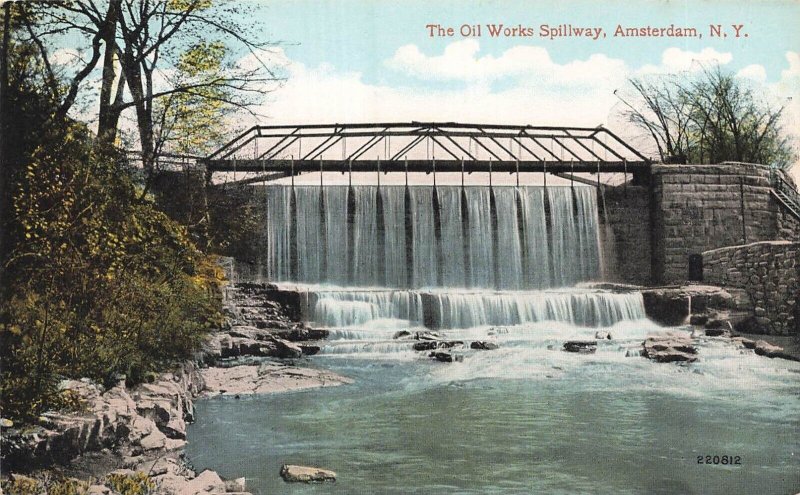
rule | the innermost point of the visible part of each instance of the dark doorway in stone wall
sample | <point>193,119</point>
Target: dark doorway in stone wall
<point>696,267</point>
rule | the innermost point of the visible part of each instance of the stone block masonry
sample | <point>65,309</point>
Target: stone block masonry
<point>625,234</point>
<point>697,208</point>
<point>770,273</point>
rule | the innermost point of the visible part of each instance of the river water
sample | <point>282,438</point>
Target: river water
<point>524,418</point>
<point>498,265</point>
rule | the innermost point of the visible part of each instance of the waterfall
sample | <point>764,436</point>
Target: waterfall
<point>349,308</point>
<point>584,309</point>
<point>472,237</point>
<point>446,310</point>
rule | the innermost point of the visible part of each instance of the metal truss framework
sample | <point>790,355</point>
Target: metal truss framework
<point>425,147</point>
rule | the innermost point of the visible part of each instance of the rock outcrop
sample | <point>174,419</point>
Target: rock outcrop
<point>669,347</point>
<point>306,474</point>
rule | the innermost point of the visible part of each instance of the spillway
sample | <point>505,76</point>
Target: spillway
<point>501,238</point>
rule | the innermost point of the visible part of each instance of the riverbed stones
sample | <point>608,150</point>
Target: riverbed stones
<point>580,346</point>
<point>446,357</point>
<point>669,347</point>
<point>429,345</point>
<point>601,335</point>
<point>306,474</point>
<point>483,345</point>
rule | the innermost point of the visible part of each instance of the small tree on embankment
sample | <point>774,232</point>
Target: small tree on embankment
<point>708,117</point>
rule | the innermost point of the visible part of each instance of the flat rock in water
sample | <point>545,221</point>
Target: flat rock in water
<point>306,474</point>
<point>482,345</point>
<point>669,348</point>
<point>582,346</point>
<point>445,357</point>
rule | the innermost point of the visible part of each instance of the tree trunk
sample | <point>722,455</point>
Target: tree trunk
<point>107,121</point>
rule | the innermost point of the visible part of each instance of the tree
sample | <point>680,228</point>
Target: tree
<point>708,118</point>
<point>146,47</point>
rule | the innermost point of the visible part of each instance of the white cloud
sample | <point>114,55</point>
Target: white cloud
<point>754,72</point>
<point>460,61</point>
<point>325,95</point>
<point>677,60</point>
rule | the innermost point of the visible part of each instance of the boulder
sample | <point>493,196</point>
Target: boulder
<point>205,482</point>
<point>698,320</point>
<point>669,307</point>
<point>429,345</point>
<point>601,335</point>
<point>669,347</point>
<point>286,350</point>
<point>445,357</point>
<point>482,345</point>
<point>581,346</point>
<point>746,343</point>
<point>401,334</point>
<point>235,486</point>
<point>310,350</point>
<point>303,334</point>
<point>155,440</point>
<point>764,348</point>
<point>306,474</point>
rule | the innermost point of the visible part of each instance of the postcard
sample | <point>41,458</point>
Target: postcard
<point>487,247</point>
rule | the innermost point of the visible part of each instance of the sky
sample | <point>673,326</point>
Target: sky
<point>375,60</point>
<point>380,60</point>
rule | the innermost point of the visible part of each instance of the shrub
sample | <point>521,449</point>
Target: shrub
<point>100,282</point>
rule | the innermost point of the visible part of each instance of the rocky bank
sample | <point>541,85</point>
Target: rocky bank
<point>116,434</point>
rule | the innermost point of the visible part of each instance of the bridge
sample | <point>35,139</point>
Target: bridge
<point>287,150</point>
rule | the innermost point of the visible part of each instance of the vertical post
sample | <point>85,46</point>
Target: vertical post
<point>291,162</point>
<point>490,172</point>
<point>406,162</point>
<point>517,172</point>
<point>320,171</point>
<point>572,172</point>
<point>462,172</point>
<point>434,171</point>
<point>379,172</point>
<point>350,172</point>
<point>598,174</point>
<point>625,183</point>
<point>544,173</point>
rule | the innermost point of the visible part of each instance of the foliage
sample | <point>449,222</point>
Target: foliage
<point>103,284</point>
<point>134,484</point>
<point>20,486</point>
<point>50,486</point>
<point>710,117</point>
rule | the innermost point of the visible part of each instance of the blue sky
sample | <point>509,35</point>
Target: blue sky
<point>374,61</point>
<point>358,35</point>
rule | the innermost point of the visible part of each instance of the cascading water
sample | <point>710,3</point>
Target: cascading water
<point>473,237</point>
<point>488,276</point>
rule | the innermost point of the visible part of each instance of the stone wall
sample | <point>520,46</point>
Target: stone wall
<point>697,208</point>
<point>770,273</point>
<point>625,234</point>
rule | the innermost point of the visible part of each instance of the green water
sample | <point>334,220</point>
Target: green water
<point>526,419</point>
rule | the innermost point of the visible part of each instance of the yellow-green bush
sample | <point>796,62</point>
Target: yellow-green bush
<point>100,283</point>
<point>133,484</point>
